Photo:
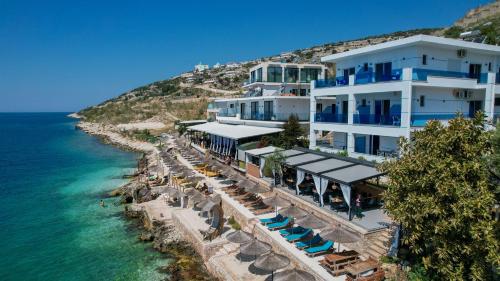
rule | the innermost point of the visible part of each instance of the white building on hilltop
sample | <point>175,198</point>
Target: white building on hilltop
<point>386,91</point>
<point>201,67</point>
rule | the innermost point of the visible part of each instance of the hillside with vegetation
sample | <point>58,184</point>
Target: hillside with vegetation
<point>186,96</point>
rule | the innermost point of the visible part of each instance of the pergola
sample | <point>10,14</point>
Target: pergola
<point>326,167</point>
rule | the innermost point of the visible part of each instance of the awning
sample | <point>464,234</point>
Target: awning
<point>352,174</point>
<point>303,158</point>
<point>286,153</point>
<point>263,150</point>
<point>233,131</point>
<point>324,166</point>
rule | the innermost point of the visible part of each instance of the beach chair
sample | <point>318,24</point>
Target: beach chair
<point>292,230</point>
<point>298,236</point>
<point>275,219</point>
<point>319,250</point>
<point>315,240</point>
<point>278,225</point>
<point>255,202</point>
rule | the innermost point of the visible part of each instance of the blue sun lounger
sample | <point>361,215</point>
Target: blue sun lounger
<point>298,236</point>
<point>277,218</point>
<point>292,230</point>
<point>318,250</point>
<point>309,243</point>
<point>277,225</point>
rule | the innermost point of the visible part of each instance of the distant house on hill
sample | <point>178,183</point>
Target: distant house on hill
<point>232,65</point>
<point>216,66</point>
<point>201,67</point>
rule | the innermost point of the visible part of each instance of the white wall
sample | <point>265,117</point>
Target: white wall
<point>441,100</point>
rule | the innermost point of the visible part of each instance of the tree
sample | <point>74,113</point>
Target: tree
<point>291,134</point>
<point>439,192</point>
<point>274,164</point>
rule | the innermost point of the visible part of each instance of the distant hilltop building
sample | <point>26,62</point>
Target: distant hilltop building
<point>232,65</point>
<point>200,67</point>
<point>216,66</point>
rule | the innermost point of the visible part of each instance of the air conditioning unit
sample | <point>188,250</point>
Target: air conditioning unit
<point>461,53</point>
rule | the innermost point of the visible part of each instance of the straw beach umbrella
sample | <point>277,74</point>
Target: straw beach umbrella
<point>276,202</point>
<point>340,235</point>
<point>310,221</point>
<point>294,275</point>
<point>239,237</point>
<point>256,188</point>
<point>271,262</point>
<point>293,211</point>
<point>255,248</point>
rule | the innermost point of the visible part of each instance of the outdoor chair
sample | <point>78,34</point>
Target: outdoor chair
<point>292,230</point>
<point>279,225</point>
<point>298,236</point>
<point>275,219</point>
<point>315,240</point>
<point>320,250</point>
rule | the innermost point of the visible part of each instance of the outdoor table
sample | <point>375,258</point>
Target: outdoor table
<point>336,262</point>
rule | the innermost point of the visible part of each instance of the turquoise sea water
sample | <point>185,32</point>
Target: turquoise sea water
<point>51,225</point>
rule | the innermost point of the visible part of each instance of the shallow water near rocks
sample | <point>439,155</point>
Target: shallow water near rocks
<point>52,178</point>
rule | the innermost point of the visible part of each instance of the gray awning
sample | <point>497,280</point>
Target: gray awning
<point>324,166</point>
<point>302,158</point>
<point>286,153</point>
<point>352,174</point>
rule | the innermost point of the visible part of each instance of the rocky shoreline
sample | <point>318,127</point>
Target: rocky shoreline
<point>185,263</point>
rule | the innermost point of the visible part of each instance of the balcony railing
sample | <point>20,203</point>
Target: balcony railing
<point>420,120</point>
<point>227,112</point>
<point>274,116</point>
<point>330,117</point>
<point>360,79</point>
<point>375,119</point>
<point>419,74</point>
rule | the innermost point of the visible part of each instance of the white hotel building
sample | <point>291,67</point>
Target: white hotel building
<point>386,91</point>
<point>274,92</point>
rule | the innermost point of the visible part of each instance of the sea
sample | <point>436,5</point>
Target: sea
<point>52,227</point>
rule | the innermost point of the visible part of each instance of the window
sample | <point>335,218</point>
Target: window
<point>231,105</point>
<point>497,101</point>
<point>422,101</point>
<point>365,67</point>
<point>319,107</point>
<point>309,74</point>
<point>258,75</point>
<point>424,59</point>
<point>291,75</point>
<point>303,92</point>
<point>274,74</point>
<point>252,76</point>
<point>489,66</point>
<point>363,102</point>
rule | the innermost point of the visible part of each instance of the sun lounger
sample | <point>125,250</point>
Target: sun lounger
<point>277,218</point>
<point>292,230</point>
<point>309,243</point>
<point>278,225</point>
<point>257,201</point>
<point>319,250</point>
<point>298,236</point>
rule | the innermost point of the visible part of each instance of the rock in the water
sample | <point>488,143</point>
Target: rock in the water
<point>146,236</point>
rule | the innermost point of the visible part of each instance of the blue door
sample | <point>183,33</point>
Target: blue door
<point>360,145</point>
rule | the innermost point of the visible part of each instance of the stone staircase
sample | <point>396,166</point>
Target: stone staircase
<point>378,243</point>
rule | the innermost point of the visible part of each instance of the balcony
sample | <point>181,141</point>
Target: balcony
<point>420,120</point>
<point>330,118</point>
<point>419,74</point>
<point>360,78</point>
<point>227,112</point>
<point>280,117</point>
<point>376,119</point>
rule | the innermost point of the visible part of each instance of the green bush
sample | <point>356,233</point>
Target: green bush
<point>233,223</point>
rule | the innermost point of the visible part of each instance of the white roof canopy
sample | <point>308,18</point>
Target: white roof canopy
<point>233,131</point>
<point>263,150</point>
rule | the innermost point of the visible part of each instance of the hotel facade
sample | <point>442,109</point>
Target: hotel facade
<point>387,91</point>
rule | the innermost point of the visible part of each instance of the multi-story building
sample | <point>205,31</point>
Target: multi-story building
<point>387,91</point>
<point>274,92</point>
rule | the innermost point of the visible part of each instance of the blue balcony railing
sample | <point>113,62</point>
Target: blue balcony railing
<point>420,120</point>
<point>419,74</point>
<point>371,77</point>
<point>375,119</point>
<point>330,117</point>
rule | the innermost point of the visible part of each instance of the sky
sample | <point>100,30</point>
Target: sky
<point>67,55</point>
